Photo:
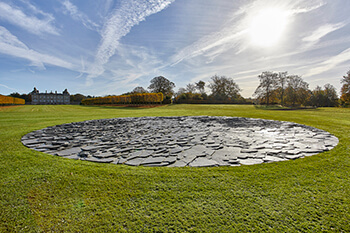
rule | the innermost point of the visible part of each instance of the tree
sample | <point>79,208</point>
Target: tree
<point>281,85</point>
<point>77,98</point>
<point>318,97</point>
<point>345,90</point>
<point>163,85</point>
<point>330,95</point>
<point>264,92</point>
<point>180,92</point>
<point>139,90</point>
<point>200,87</point>
<point>26,97</point>
<point>326,97</point>
<point>297,91</point>
<point>224,88</point>
<point>191,88</point>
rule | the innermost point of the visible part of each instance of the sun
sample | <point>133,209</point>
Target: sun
<point>267,27</point>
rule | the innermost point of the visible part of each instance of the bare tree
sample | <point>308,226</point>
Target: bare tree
<point>267,86</point>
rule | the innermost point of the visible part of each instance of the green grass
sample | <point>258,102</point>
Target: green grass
<point>45,193</point>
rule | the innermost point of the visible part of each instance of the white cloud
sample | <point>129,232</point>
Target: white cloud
<point>9,88</point>
<point>214,44</point>
<point>11,45</point>
<point>30,23</point>
<point>36,11</point>
<point>233,34</point>
<point>330,63</point>
<point>307,6</point>
<point>119,24</point>
<point>79,16</point>
<point>323,31</point>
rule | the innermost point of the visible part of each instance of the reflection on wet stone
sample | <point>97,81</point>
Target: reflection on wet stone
<point>199,141</point>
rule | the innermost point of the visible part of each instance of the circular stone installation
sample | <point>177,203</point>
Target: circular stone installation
<point>196,141</point>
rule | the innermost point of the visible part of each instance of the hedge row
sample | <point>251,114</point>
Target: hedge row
<point>144,98</point>
<point>8,100</point>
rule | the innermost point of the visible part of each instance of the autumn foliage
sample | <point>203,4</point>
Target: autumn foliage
<point>8,100</point>
<point>138,98</point>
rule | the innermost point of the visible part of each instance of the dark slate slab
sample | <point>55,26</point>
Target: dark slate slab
<point>250,161</point>
<point>68,152</point>
<point>181,141</point>
<point>134,162</point>
<point>94,159</point>
<point>153,160</point>
<point>203,162</point>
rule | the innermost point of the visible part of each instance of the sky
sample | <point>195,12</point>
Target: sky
<point>109,47</point>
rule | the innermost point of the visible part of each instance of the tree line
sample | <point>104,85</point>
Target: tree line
<point>136,98</point>
<point>274,88</point>
<point>292,90</point>
<point>223,90</point>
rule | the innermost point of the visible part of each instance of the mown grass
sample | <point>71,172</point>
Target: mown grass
<point>44,193</point>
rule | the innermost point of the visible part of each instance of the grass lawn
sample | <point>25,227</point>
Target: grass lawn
<point>45,193</point>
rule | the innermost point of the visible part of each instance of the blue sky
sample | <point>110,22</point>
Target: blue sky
<point>111,46</point>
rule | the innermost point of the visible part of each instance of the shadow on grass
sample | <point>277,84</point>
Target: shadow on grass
<point>128,107</point>
<point>283,108</point>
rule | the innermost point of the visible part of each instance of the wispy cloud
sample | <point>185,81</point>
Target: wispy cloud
<point>214,44</point>
<point>233,34</point>
<point>11,45</point>
<point>136,64</point>
<point>79,16</point>
<point>302,6</point>
<point>119,24</point>
<point>9,88</point>
<point>31,24</point>
<point>330,63</point>
<point>323,31</point>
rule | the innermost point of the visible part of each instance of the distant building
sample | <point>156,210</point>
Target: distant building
<point>50,98</point>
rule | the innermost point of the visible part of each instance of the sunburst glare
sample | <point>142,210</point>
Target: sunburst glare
<point>267,27</point>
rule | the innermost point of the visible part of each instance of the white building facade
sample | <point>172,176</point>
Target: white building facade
<point>50,98</point>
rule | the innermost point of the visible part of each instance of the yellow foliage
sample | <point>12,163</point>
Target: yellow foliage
<point>8,100</point>
<point>139,98</point>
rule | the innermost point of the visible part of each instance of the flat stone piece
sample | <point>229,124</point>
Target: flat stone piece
<point>102,155</point>
<point>197,141</point>
<point>134,162</point>
<point>293,156</point>
<point>30,141</point>
<point>94,159</point>
<point>90,148</point>
<point>270,159</point>
<point>251,161</point>
<point>203,162</point>
<point>170,159</point>
<point>68,152</point>
<point>249,150</point>
<point>153,160</point>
